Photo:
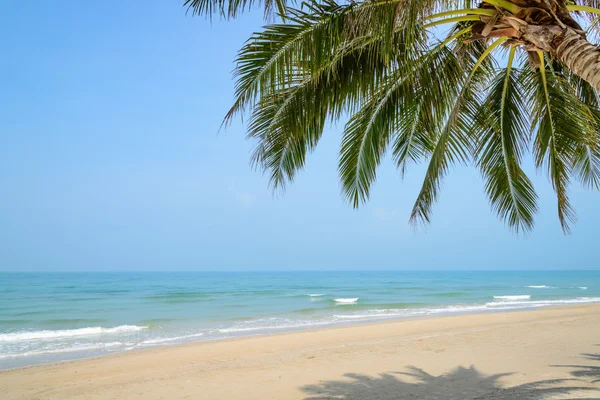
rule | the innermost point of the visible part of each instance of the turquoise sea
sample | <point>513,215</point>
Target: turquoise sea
<point>47,317</point>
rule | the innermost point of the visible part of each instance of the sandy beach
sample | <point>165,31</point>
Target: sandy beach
<point>542,354</point>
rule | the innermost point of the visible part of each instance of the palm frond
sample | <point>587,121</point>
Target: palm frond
<point>559,128</point>
<point>233,8</point>
<point>378,62</point>
<point>454,142</point>
<point>502,132</point>
<point>587,154</point>
<point>272,59</point>
<point>399,109</point>
<point>289,122</point>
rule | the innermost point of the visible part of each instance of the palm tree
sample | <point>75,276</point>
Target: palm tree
<point>436,81</point>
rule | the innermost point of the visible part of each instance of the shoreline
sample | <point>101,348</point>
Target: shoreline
<point>316,328</point>
<point>94,316</point>
<point>328,353</point>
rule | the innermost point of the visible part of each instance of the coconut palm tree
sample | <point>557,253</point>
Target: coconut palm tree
<point>435,81</point>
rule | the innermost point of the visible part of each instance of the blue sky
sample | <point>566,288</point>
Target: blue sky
<point>110,159</point>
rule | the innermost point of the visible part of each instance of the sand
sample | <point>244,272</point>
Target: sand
<point>541,354</point>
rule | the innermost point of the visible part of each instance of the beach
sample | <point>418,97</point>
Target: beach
<point>52,317</point>
<point>551,353</point>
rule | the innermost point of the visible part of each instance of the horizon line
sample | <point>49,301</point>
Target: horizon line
<point>300,270</point>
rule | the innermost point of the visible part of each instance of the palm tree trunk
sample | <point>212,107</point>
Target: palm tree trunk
<point>579,55</point>
<point>582,57</point>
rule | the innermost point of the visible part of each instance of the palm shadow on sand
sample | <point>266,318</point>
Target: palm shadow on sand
<point>459,384</point>
<point>591,372</point>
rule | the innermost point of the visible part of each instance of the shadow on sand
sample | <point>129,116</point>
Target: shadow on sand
<point>459,384</point>
<point>591,372</point>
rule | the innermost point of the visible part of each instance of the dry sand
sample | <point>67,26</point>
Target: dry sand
<point>541,354</point>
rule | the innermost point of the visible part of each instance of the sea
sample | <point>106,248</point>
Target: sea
<point>49,317</point>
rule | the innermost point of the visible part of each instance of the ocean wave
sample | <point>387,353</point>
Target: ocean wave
<point>72,349</point>
<point>366,316</point>
<point>582,287</point>
<point>316,294</point>
<point>454,309</point>
<point>66,333</point>
<point>272,324</point>
<point>346,301</point>
<point>513,298</point>
<point>540,303</point>
<point>540,287</point>
<point>170,339</point>
<point>411,312</point>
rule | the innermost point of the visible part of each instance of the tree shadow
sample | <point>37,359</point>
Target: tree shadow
<point>459,384</point>
<point>591,372</point>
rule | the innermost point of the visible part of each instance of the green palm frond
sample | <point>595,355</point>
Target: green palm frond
<point>422,117</point>
<point>288,123</point>
<point>233,8</point>
<point>272,59</point>
<point>454,142</point>
<point>365,140</point>
<point>559,126</point>
<point>502,123</point>
<point>379,64</point>
<point>398,110</point>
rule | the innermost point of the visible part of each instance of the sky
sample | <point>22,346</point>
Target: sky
<point>111,159</point>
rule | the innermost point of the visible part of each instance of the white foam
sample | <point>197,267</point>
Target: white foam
<point>172,339</point>
<point>453,309</point>
<point>347,301</point>
<point>66,333</point>
<point>368,317</point>
<point>460,308</point>
<point>513,298</point>
<point>73,349</point>
<point>582,287</point>
<point>260,325</point>
<point>316,294</point>
<point>541,303</point>
<point>540,287</point>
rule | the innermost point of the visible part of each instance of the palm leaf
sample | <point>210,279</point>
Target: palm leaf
<point>378,62</point>
<point>454,142</point>
<point>233,8</point>
<point>503,135</point>
<point>559,128</point>
<point>289,122</point>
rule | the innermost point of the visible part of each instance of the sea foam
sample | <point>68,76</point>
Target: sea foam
<point>540,287</point>
<point>170,339</point>
<point>542,303</point>
<point>347,301</point>
<point>73,349</point>
<point>513,298</point>
<point>66,333</point>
